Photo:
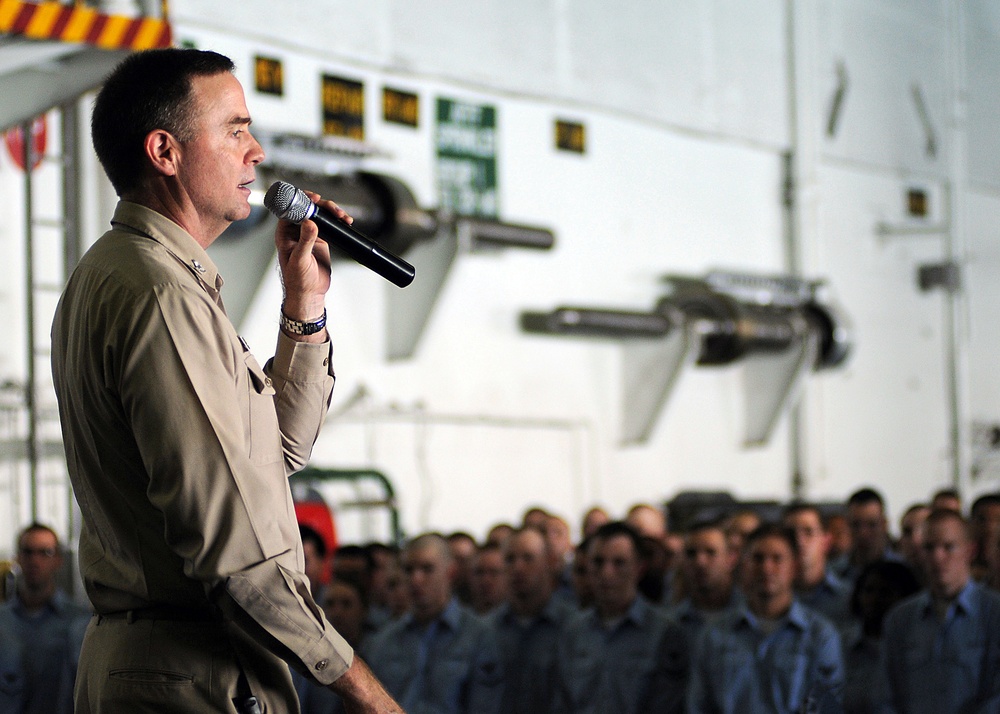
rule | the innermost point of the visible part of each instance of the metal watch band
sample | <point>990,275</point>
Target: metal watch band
<point>297,327</point>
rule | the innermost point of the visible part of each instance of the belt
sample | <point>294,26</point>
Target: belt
<point>174,613</point>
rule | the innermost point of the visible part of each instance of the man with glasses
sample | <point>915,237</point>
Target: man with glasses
<point>43,624</point>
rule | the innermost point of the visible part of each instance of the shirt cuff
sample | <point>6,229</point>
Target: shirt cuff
<point>302,361</point>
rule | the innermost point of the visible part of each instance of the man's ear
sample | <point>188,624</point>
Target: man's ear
<point>163,151</point>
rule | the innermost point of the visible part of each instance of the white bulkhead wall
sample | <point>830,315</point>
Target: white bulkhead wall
<point>687,112</point>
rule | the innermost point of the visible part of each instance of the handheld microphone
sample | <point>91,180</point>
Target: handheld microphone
<point>291,204</point>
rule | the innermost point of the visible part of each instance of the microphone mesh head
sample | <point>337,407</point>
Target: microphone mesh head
<point>287,202</point>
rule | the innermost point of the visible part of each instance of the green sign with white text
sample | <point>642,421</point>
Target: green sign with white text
<point>466,138</point>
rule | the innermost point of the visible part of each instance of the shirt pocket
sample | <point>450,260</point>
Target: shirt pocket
<point>11,683</point>
<point>260,418</point>
<point>792,672</point>
<point>583,675</point>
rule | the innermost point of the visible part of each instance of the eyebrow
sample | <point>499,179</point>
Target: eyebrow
<point>238,121</point>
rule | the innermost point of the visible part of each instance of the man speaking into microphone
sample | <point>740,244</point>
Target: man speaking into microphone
<point>178,442</point>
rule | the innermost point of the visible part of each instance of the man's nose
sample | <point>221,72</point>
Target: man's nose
<point>256,153</point>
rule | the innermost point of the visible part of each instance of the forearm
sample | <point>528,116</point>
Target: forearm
<point>303,381</point>
<point>362,692</point>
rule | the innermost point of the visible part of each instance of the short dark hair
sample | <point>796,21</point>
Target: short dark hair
<point>356,551</point>
<point>350,581</point>
<point>311,535</point>
<point>147,91</point>
<point>707,524</point>
<point>773,530</point>
<point>619,528</point>
<point>803,507</point>
<point>378,547</point>
<point>939,515</point>
<point>461,535</point>
<point>987,499</point>
<point>864,496</point>
<point>36,527</point>
<point>898,576</point>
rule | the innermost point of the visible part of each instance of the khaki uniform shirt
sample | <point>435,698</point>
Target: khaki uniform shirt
<point>179,444</point>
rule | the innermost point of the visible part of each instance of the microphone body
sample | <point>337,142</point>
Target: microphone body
<point>287,202</point>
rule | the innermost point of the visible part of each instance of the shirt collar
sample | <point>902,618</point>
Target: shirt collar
<point>963,602</point>
<point>145,221</point>
<point>450,617</point>
<point>831,582</point>
<point>551,612</point>
<point>57,604</point>
<point>796,617</point>
<point>637,614</point>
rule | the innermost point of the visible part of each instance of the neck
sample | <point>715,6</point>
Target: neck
<point>711,598</point>
<point>529,605</point>
<point>812,579</point>
<point>165,199</point>
<point>35,598</point>
<point>425,617</point>
<point>863,556</point>
<point>610,611</point>
<point>944,593</point>
<point>770,607</point>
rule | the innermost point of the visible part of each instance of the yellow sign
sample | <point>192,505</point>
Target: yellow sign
<point>400,107</point>
<point>571,136</point>
<point>268,76</point>
<point>343,107</point>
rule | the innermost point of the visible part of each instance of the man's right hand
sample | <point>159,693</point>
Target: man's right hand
<point>362,692</point>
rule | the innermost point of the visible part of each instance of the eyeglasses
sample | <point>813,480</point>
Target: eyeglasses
<point>41,552</point>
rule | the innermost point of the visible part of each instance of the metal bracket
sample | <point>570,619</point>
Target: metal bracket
<point>650,369</point>
<point>408,311</point>
<point>770,383</point>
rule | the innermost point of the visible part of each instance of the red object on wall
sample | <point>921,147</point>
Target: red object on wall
<point>14,139</point>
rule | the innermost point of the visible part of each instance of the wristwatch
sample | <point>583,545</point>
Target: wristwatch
<point>297,327</point>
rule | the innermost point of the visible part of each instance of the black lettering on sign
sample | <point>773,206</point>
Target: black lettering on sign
<point>571,136</point>
<point>400,107</point>
<point>343,107</point>
<point>268,77</point>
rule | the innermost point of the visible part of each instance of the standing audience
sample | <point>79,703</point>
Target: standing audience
<point>316,560</point>
<point>463,550</point>
<point>592,520</point>
<point>773,655</point>
<point>911,537</point>
<point>947,498</point>
<point>881,585</point>
<point>41,630</point>
<point>869,534</point>
<point>489,579</point>
<point>529,625</point>
<point>941,649</point>
<point>708,569</point>
<point>755,630</point>
<point>440,658</point>
<point>623,655</point>
<point>985,517</point>
<point>815,585</point>
<point>840,536</point>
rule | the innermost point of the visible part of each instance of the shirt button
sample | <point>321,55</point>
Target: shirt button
<point>326,361</point>
<point>321,665</point>
<point>267,381</point>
